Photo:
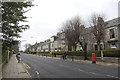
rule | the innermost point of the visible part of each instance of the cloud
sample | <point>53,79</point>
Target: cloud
<point>47,17</point>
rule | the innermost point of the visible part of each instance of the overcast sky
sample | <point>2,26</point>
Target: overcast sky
<point>46,18</point>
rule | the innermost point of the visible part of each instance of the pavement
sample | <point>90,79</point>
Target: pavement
<point>104,63</point>
<point>97,63</point>
<point>13,69</point>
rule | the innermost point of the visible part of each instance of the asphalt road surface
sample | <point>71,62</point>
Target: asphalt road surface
<point>41,67</point>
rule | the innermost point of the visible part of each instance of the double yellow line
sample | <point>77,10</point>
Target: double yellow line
<point>26,65</point>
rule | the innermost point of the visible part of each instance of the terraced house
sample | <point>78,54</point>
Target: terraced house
<point>59,43</point>
<point>112,35</point>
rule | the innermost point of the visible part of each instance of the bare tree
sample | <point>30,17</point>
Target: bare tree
<point>71,30</point>
<point>84,38</point>
<point>98,28</point>
<point>27,45</point>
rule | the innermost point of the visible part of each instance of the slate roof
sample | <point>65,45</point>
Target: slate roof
<point>113,22</point>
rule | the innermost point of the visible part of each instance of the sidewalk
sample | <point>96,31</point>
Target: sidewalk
<point>88,61</point>
<point>13,69</point>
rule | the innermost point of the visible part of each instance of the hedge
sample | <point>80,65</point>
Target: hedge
<point>5,55</point>
<point>34,52</point>
<point>106,53</point>
<point>57,53</point>
<point>31,52</point>
<point>70,53</point>
<point>75,53</point>
<point>112,53</point>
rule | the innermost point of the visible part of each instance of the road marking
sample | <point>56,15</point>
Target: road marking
<point>26,70</point>
<point>98,73</point>
<point>38,74</point>
<point>93,73</point>
<point>62,65</point>
<point>81,70</point>
<point>112,76</point>
<point>27,66</point>
<point>109,75</point>
<point>116,77</point>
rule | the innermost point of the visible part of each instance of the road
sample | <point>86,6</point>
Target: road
<point>41,67</point>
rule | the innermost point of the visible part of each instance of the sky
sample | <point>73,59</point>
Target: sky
<point>46,19</point>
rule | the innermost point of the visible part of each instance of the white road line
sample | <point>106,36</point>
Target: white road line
<point>63,65</point>
<point>112,76</point>
<point>116,77</point>
<point>98,73</point>
<point>38,74</point>
<point>108,75</point>
<point>95,73</point>
<point>92,73</point>
<point>81,70</point>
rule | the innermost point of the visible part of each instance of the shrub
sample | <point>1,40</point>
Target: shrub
<point>5,55</point>
<point>57,53</point>
<point>75,53</point>
<point>98,53</point>
<point>70,53</point>
<point>107,53</point>
<point>33,52</point>
<point>46,54</point>
<point>111,53</point>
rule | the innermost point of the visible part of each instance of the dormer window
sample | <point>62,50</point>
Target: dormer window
<point>112,33</point>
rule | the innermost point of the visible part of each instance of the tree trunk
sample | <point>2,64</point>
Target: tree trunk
<point>85,52</point>
<point>74,48</point>
<point>104,45</point>
<point>98,46</point>
<point>84,47</point>
<point>69,47</point>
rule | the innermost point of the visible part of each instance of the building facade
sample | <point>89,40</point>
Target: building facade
<point>58,42</point>
<point>111,36</point>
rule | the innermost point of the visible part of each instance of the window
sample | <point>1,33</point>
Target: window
<point>113,45</point>
<point>112,33</point>
<point>96,47</point>
<point>101,47</point>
